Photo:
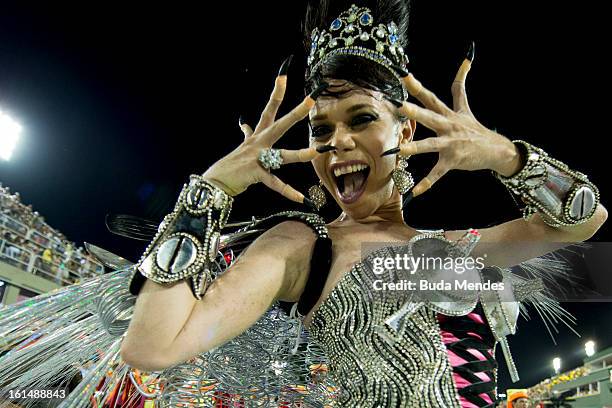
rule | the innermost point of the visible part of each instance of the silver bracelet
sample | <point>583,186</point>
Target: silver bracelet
<point>187,240</point>
<point>561,195</point>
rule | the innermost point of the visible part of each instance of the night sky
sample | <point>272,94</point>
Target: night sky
<point>119,104</point>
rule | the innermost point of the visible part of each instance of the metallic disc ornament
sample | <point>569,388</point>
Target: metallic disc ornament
<point>582,203</point>
<point>176,254</point>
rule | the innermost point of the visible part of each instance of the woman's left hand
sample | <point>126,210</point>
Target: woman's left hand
<point>462,142</point>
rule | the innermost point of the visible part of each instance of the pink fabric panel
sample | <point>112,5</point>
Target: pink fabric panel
<point>455,360</point>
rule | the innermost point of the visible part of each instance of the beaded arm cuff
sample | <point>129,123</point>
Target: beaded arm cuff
<point>561,195</point>
<point>188,238</point>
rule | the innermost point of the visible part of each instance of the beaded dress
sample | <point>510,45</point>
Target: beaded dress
<point>410,370</point>
<point>374,364</point>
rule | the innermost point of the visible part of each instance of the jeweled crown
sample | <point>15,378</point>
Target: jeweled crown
<point>354,32</point>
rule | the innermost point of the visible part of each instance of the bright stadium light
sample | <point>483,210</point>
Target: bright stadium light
<point>9,135</point>
<point>589,348</point>
<point>557,364</point>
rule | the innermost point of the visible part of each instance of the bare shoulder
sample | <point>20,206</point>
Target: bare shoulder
<point>288,236</point>
<point>489,234</point>
<point>516,230</point>
<point>292,243</point>
<point>454,235</point>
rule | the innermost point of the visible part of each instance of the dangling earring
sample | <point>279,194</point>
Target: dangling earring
<point>317,195</point>
<point>401,177</point>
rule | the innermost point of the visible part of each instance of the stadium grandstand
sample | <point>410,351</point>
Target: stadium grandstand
<point>34,257</point>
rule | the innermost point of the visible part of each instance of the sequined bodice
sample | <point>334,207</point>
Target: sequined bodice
<point>373,366</point>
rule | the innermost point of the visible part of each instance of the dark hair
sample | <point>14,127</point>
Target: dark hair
<point>353,69</point>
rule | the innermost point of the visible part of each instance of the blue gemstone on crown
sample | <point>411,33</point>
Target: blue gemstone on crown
<point>365,19</point>
<point>336,24</point>
<point>393,38</point>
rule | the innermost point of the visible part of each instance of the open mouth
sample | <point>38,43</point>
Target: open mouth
<point>351,179</point>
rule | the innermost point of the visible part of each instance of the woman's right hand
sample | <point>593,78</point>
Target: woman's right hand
<point>241,168</point>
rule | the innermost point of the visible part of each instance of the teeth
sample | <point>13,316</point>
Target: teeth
<point>349,169</point>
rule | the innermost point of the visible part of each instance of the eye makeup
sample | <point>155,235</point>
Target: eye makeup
<point>363,118</point>
<point>318,131</point>
<point>357,120</point>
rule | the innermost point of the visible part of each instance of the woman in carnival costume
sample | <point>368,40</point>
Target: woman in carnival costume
<point>304,326</point>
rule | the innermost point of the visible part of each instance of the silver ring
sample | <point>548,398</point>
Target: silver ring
<point>270,158</point>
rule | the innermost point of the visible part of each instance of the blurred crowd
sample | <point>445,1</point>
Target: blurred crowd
<point>29,243</point>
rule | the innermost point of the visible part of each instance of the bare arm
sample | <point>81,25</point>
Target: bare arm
<point>521,240</point>
<point>463,143</point>
<point>169,325</point>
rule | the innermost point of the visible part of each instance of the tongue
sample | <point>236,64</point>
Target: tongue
<point>352,182</point>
